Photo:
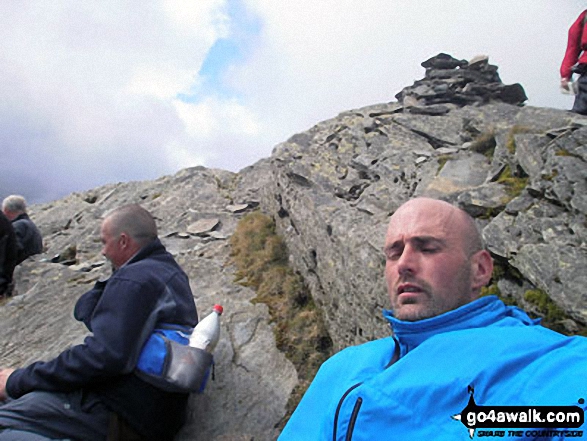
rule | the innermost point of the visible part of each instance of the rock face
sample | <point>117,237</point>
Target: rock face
<point>520,171</point>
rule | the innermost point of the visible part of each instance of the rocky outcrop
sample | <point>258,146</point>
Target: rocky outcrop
<point>451,82</point>
<point>520,171</point>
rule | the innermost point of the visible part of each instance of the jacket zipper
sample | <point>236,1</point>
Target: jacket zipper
<point>395,357</point>
<point>340,405</point>
<point>354,415</point>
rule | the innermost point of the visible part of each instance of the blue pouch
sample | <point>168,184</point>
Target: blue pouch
<point>154,355</point>
<point>168,362</point>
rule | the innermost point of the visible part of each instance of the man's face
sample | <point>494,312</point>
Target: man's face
<point>112,247</point>
<point>9,214</point>
<point>427,269</point>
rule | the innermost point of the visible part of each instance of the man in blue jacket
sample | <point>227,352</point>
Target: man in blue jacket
<point>456,362</point>
<point>91,391</point>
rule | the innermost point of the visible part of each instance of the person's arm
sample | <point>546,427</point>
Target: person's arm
<point>573,50</point>
<point>118,324</point>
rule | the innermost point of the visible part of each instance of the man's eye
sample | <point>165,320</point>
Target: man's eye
<point>392,255</point>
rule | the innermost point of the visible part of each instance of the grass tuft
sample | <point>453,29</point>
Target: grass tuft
<point>261,259</point>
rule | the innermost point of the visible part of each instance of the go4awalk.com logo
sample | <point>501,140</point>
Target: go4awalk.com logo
<point>522,421</point>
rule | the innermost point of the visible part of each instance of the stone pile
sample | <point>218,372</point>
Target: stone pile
<point>458,82</point>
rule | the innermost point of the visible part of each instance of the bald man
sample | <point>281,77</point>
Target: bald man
<point>93,390</point>
<point>450,347</point>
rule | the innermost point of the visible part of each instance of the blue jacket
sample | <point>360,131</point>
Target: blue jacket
<point>497,351</point>
<point>122,312</point>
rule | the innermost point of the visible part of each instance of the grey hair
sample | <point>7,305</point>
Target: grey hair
<point>14,203</point>
<point>135,221</point>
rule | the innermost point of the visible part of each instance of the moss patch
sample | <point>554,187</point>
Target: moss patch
<point>510,144</point>
<point>261,259</point>
<point>536,301</point>
<point>514,184</point>
<point>501,270</point>
<point>566,153</point>
<point>484,144</point>
<point>545,306</point>
<point>442,160</point>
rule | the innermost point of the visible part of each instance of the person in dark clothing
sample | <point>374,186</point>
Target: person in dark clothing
<point>28,237</point>
<point>7,255</point>
<point>92,391</point>
<point>575,61</point>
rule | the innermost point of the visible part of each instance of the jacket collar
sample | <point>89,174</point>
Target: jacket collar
<point>21,216</point>
<point>477,314</point>
<point>152,247</point>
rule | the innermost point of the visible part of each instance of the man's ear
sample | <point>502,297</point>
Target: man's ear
<point>124,240</point>
<point>481,269</point>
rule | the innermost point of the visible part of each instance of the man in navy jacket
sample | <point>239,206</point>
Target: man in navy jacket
<point>28,237</point>
<point>91,390</point>
<point>8,256</point>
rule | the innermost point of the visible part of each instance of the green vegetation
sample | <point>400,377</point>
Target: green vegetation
<point>545,306</point>
<point>501,270</point>
<point>484,144</point>
<point>550,176</point>
<point>534,300</point>
<point>552,315</point>
<point>513,184</point>
<point>261,258</point>
<point>442,160</point>
<point>566,153</point>
<point>510,144</point>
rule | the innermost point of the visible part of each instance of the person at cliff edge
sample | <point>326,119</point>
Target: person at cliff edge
<point>28,237</point>
<point>93,391</point>
<point>451,349</point>
<point>8,256</point>
<point>575,61</point>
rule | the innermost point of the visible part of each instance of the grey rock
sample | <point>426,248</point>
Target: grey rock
<point>463,172</point>
<point>203,226</point>
<point>238,208</point>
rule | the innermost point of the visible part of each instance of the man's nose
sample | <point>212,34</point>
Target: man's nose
<point>407,262</point>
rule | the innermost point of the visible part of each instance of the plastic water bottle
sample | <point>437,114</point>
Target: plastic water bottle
<point>207,331</point>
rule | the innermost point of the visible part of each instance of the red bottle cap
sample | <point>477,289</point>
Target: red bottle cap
<point>219,309</point>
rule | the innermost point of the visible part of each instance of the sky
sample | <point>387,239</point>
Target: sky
<point>98,92</point>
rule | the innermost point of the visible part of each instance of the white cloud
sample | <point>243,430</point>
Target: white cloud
<point>188,14</point>
<point>95,92</point>
<point>213,115</point>
<point>92,86</point>
<point>163,82</point>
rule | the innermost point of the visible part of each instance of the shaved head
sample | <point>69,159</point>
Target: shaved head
<point>435,261</point>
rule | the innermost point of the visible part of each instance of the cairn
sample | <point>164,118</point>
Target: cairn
<point>458,82</point>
